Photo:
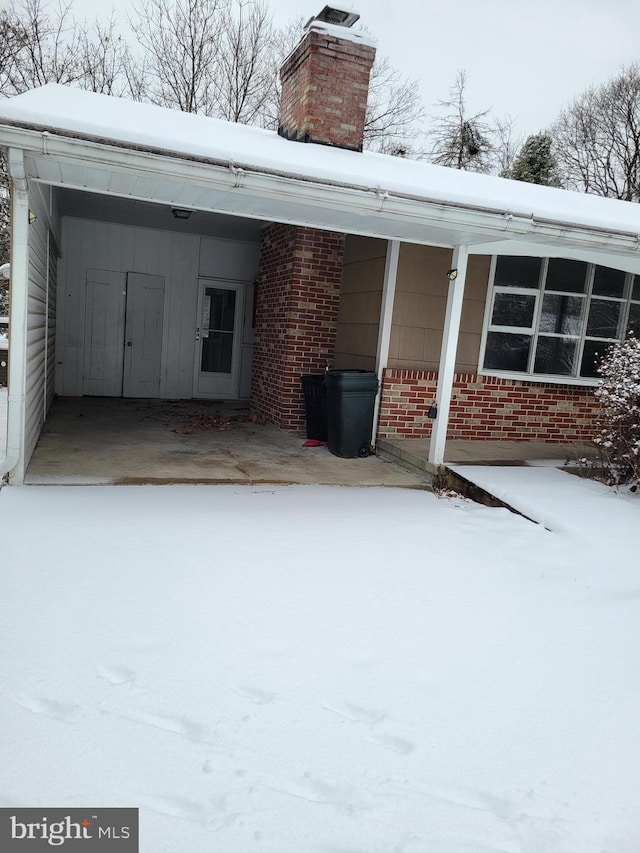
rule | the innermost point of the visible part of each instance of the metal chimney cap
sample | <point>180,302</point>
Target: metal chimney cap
<point>335,16</point>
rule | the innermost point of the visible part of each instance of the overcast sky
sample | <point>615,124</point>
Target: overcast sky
<point>525,59</point>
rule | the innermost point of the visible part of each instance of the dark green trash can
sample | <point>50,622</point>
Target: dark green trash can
<point>351,396</point>
<point>315,406</point>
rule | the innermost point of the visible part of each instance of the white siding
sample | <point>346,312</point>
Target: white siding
<point>51,325</point>
<point>89,244</point>
<point>41,307</point>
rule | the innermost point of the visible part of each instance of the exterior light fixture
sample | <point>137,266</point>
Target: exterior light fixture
<point>32,217</point>
<point>452,275</point>
<point>338,17</point>
<point>180,213</point>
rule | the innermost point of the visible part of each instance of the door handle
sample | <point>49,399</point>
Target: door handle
<point>129,343</point>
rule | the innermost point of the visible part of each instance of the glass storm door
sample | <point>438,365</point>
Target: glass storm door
<point>218,339</point>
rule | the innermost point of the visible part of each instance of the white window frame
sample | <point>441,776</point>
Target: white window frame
<point>626,302</point>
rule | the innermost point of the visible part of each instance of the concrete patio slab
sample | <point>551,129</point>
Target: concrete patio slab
<point>123,441</point>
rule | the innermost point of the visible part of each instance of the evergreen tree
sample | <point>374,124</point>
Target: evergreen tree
<point>535,164</point>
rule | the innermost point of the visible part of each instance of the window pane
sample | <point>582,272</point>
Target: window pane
<point>217,351</point>
<point>518,272</point>
<point>609,282</point>
<point>636,287</point>
<point>566,275</point>
<point>591,355</point>
<point>561,314</point>
<point>223,307</point>
<point>513,309</point>
<point>555,355</point>
<point>634,320</point>
<point>604,319</point>
<point>507,352</point>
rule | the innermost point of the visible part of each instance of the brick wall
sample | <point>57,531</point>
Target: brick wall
<point>485,407</point>
<point>296,309</point>
<point>325,83</point>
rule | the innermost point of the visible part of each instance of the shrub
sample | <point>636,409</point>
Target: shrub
<point>619,396</point>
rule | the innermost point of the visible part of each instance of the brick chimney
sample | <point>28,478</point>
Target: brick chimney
<point>325,83</point>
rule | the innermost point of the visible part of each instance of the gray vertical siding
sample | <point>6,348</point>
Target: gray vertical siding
<point>179,258</point>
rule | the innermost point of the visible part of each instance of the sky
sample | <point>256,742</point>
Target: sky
<point>525,60</point>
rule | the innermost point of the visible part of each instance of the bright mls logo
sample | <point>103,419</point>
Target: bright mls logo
<point>75,830</point>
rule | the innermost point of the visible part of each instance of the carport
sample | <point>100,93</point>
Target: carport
<point>139,225</point>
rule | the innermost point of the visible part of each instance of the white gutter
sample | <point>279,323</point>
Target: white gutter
<point>277,186</point>
<point>18,294</point>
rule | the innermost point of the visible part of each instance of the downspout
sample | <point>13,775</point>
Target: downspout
<point>457,276</point>
<point>384,329</point>
<point>18,287</point>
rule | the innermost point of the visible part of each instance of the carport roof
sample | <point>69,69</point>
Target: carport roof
<point>99,143</point>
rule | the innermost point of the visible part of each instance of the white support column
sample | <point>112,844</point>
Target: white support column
<point>13,463</point>
<point>448,355</point>
<point>384,328</point>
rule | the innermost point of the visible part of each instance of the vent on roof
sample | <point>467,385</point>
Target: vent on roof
<point>338,17</point>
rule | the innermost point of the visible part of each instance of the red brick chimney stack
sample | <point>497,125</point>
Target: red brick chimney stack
<point>325,84</point>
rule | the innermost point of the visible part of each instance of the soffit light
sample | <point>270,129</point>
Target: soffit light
<point>180,213</point>
<point>338,17</point>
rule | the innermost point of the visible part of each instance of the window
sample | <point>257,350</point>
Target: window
<point>556,317</point>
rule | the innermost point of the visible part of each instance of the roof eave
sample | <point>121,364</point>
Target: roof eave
<point>353,201</point>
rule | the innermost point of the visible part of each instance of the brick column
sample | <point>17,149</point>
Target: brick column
<point>297,298</point>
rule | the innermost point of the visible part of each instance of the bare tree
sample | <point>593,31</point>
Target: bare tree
<point>507,143</point>
<point>460,140</point>
<point>596,140</point>
<point>42,45</point>
<point>181,49</point>
<point>49,47</point>
<point>104,60</point>
<point>394,111</point>
<point>245,68</point>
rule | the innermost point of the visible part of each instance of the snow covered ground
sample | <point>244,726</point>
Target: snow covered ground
<point>302,669</point>
<point>3,422</point>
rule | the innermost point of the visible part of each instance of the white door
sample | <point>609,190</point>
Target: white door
<point>104,333</point>
<point>143,335</point>
<point>218,339</point>
<point>123,334</point>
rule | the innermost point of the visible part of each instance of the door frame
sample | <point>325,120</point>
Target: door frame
<point>233,390</point>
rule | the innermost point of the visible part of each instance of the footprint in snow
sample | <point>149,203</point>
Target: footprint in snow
<point>356,713</point>
<point>259,697</point>
<point>397,744</point>
<point>343,798</point>
<point>115,674</point>
<point>182,726</point>
<point>66,713</point>
<point>213,815</point>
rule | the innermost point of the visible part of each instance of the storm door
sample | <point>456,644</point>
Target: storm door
<point>218,339</point>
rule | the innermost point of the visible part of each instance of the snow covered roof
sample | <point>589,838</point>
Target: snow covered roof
<point>385,181</point>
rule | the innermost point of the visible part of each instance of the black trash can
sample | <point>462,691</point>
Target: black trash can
<point>315,406</point>
<point>351,396</point>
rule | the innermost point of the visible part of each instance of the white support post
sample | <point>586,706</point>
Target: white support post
<point>448,354</point>
<point>13,463</point>
<point>384,328</point>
